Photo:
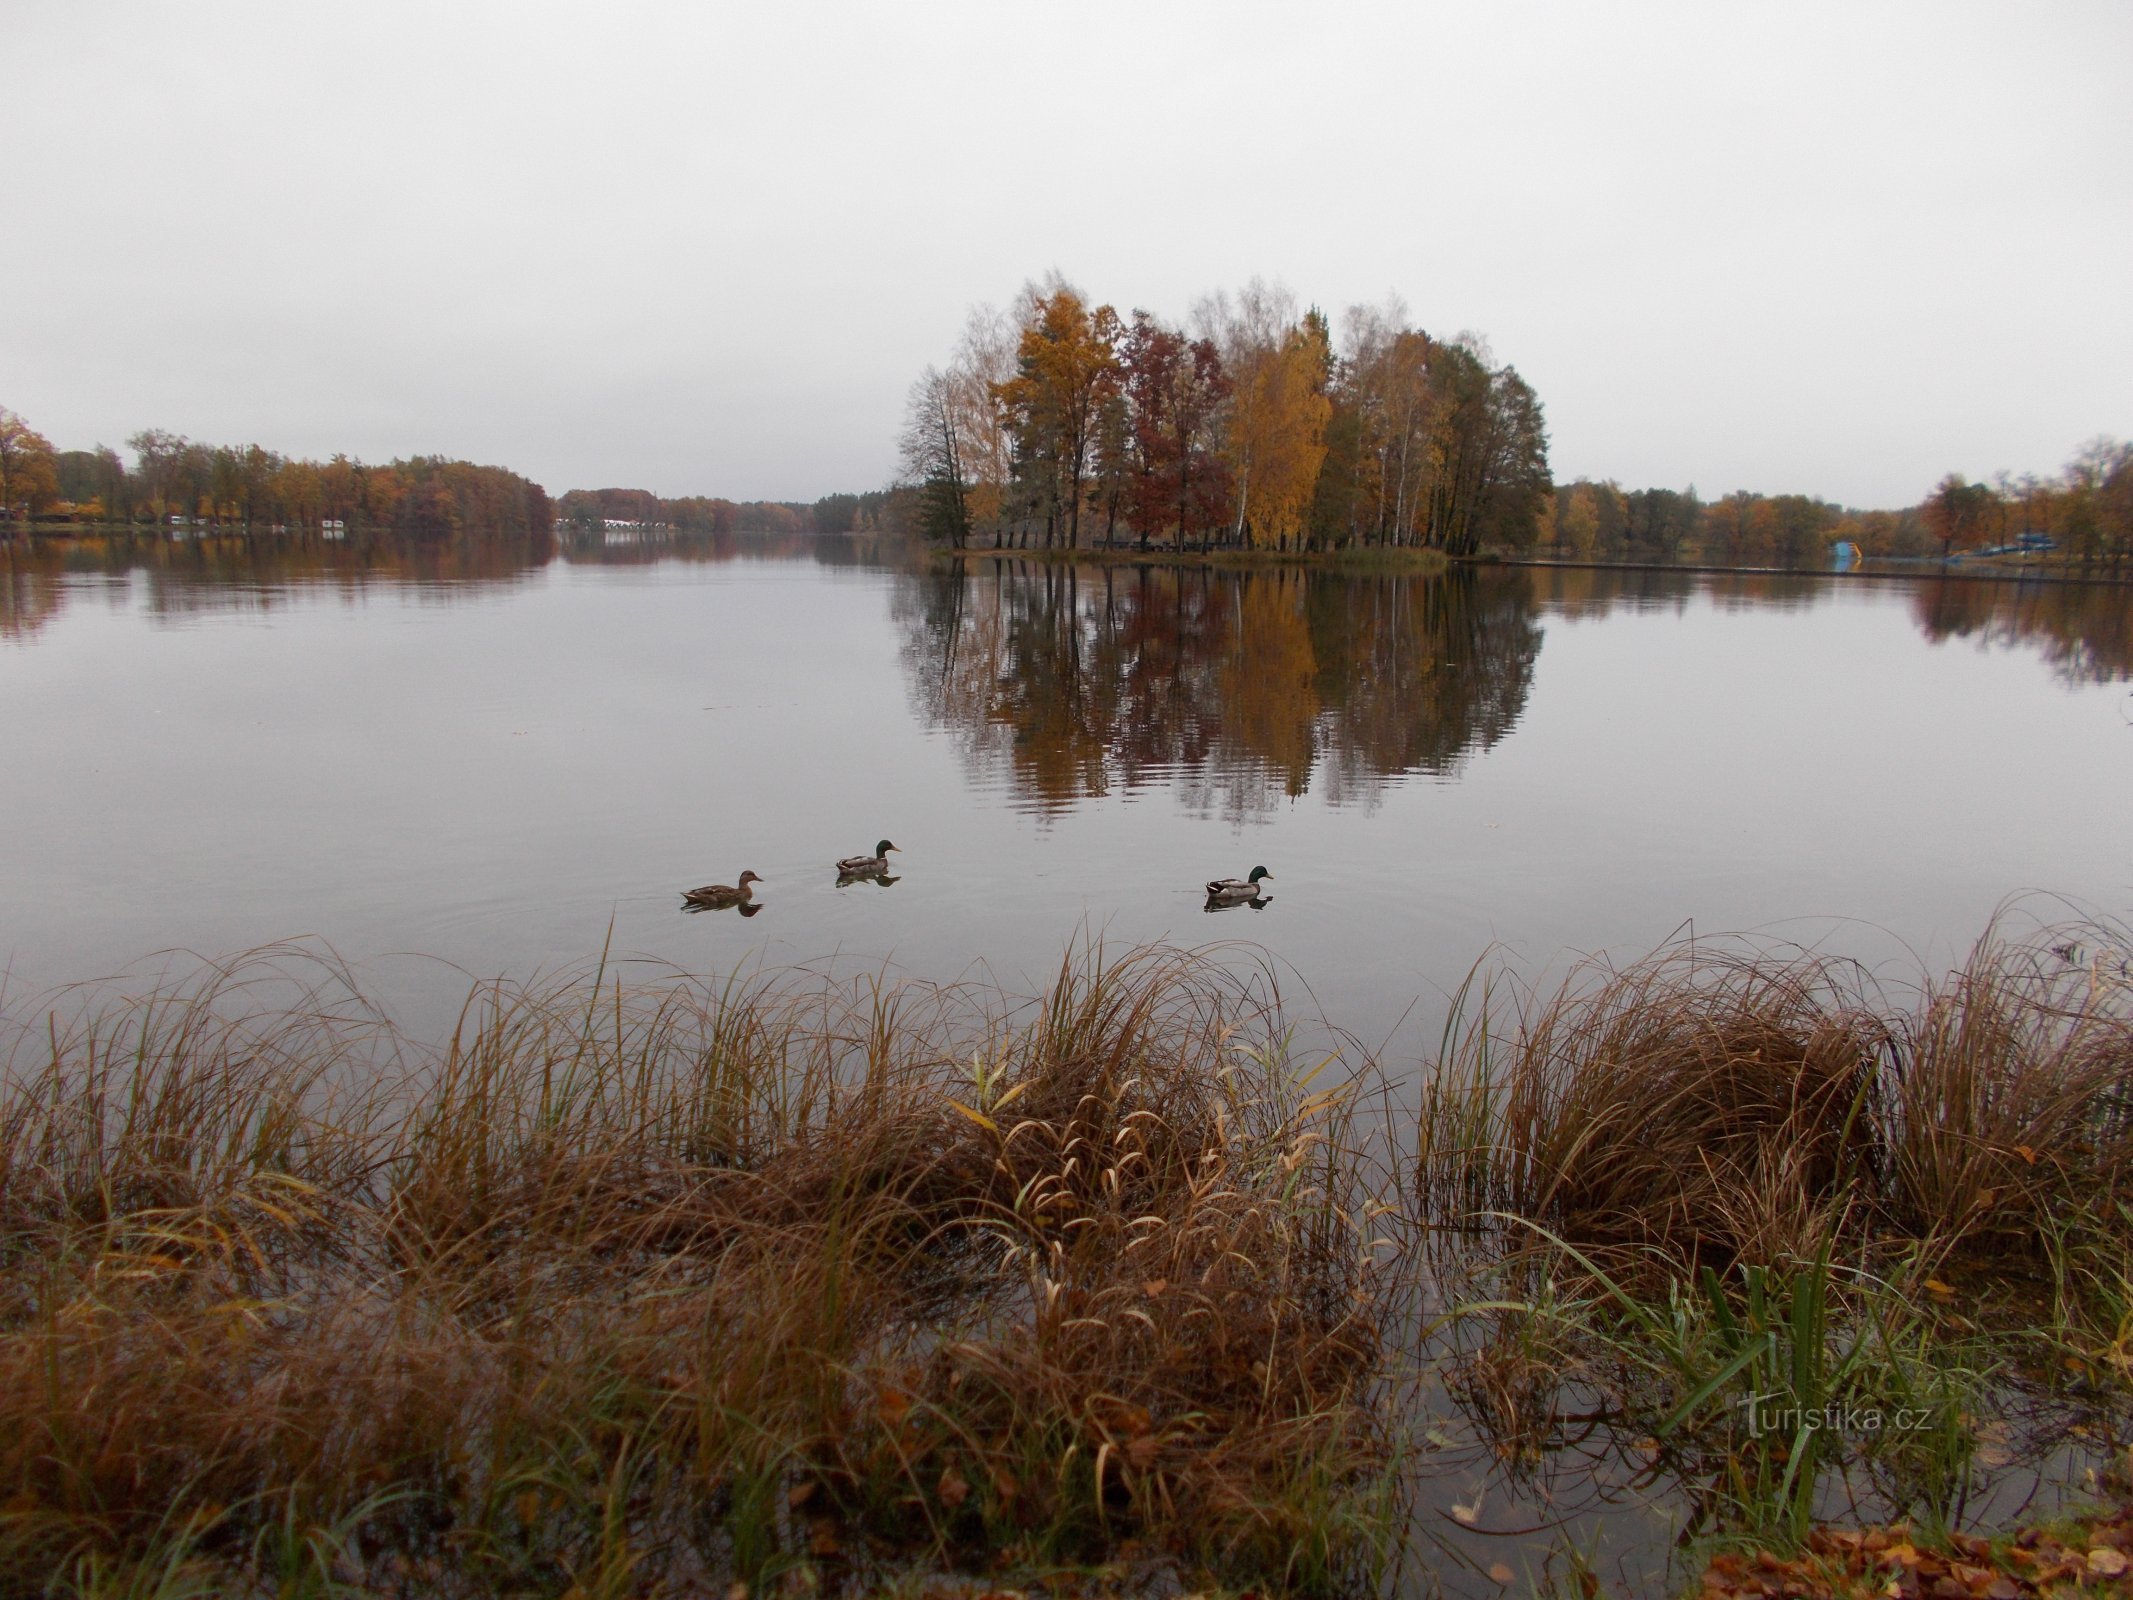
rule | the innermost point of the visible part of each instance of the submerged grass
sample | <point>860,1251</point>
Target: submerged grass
<point>656,1287</point>
<point>1791,1232</point>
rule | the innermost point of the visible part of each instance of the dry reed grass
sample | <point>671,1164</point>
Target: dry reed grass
<point>1720,1103</point>
<point>652,1286</point>
<point>2009,1111</point>
<point>640,1289</point>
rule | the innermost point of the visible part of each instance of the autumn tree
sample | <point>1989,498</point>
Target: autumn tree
<point>1173,391</point>
<point>1957,510</point>
<point>580,508</point>
<point>1280,368</point>
<point>1065,364</point>
<point>1383,399</point>
<point>932,453</point>
<point>95,481</point>
<point>1578,517</point>
<point>29,477</point>
<point>1199,404</point>
<point>1658,522</point>
<point>638,507</point>
<point>1734,527</point>
<point>1489,452</point>
<point>158,456</point>
<point>984,360</point>
<point>1801,529</point>
<point>1149,357</point>
<point>1335,518</point>
<point>2094,514</point>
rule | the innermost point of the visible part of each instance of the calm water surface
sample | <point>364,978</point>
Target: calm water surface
<point>495,756</point>
<point>491,760</point>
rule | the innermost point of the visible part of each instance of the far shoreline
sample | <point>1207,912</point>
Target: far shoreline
<point>1404,560</point>
<point>1882,567</point>
<point>1430,563</point>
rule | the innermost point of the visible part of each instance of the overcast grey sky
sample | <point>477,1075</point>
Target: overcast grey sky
<point>702,248</point>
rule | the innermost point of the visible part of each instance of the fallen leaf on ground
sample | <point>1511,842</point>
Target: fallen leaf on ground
<point>1853,1564</point>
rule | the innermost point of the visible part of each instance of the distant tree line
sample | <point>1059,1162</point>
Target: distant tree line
<point>2086,508</point>
<point>1603,521</point>
<point>2086,511</point>
<point>248,488</point>
<point>1068,425</point>
<point>594,510</point>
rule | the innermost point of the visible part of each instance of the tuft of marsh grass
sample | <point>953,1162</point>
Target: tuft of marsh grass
<point>1713,1104</point>
<point>1722,1179</point>
<point>630,1285</point>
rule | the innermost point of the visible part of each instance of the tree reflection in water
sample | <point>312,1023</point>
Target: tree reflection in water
<point>30,596</point>
<point>1240,688</point>
<point>2084,631</point>
<point>220,572</point>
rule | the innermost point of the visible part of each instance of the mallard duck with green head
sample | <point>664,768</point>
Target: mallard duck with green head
<point>1239,888</point>
<point>866,866</point>
<point>718,896</point>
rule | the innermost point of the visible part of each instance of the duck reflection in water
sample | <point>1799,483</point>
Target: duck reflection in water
<point>747,908</point>
<point>724,896</point>
<point>880,880</point>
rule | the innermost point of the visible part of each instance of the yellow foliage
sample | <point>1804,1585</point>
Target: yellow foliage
<point>1277,434</point>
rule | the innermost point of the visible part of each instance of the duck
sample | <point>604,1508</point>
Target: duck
<point>715,896</point>
<point>861,866</point>
<point>1237,888</point>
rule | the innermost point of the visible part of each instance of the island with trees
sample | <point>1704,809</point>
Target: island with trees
<point>1065,427</point>
<point>1062,425</point>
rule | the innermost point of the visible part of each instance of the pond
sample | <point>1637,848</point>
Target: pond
<point>497,758</point>
<point>505,758</point>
